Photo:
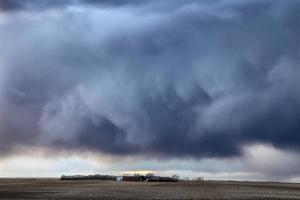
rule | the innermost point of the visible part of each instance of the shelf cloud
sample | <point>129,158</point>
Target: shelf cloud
<point>160,79</point>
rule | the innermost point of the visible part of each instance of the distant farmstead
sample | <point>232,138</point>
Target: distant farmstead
<point>134,178</point>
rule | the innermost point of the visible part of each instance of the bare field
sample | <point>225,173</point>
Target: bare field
<point>56,189</point>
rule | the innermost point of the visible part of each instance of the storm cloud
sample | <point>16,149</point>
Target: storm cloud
<point>161,79</point>
<point>15,5</point>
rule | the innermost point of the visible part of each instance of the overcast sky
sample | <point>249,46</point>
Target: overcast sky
<point>189,87</point>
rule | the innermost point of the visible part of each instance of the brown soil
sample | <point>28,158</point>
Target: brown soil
<point>56,189</point>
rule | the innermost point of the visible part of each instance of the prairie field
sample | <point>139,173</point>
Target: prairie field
<point>56,189</point>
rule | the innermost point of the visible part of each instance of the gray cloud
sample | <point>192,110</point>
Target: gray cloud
<point>197,80</point>
<point>14,5</point>
<point>269,163</point>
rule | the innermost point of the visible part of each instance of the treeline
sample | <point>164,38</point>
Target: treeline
<point>89,177</point>
<point>149,178</point>
<point>136,178</point>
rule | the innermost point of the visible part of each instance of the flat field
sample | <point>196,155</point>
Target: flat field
<point>56,189</point>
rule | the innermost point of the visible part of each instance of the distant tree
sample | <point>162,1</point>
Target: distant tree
<point>175,176</point>
<point>150,174</point>
<point>136,174</point>
<point>200,178</point>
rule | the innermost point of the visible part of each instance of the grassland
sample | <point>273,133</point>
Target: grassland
<point>56,189</point>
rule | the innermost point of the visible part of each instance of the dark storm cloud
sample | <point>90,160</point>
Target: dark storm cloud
<point>13,5</point>
<point>196,80</point>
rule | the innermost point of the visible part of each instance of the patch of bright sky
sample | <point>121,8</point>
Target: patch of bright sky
<point>260,162</point>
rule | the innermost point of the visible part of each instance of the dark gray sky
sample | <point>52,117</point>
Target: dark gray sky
<point>159,79</point>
